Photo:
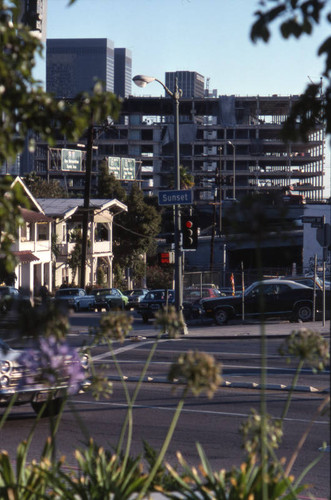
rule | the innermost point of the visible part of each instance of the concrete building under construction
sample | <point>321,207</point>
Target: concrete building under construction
<point>231,143</point>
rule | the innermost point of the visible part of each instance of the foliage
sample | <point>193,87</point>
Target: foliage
<point>159,277</point>
<point>108,185</point>
<point>41,188</point>
<point>297,18</point>
<point>135,232</point>
<point>11,199</point>
<point>45,321</point>
<point>245,482</point>
<point>74,260</point>
<point>186,179</point>
<point>25,106</point>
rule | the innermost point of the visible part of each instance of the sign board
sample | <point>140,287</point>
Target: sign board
<point>176,197</point>
<point>123,169</point>
<point>71,159</point>
<point>114,166</point>
<point>128,169</point>
<point>313,220</point>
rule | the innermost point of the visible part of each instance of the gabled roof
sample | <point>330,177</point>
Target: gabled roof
<point>28,193</point>
<point>65,207</point>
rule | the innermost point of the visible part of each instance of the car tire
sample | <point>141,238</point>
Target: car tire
<point>221,317</point>
<point>50,408</point>
<point>145,318</point>
<point>303,313</point>
<point>77,308</point>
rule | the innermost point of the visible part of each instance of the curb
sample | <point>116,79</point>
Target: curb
<point>228,384</point>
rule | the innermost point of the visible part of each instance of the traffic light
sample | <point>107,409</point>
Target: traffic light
<point>190,233</point>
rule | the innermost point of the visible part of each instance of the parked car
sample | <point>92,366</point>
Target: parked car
<point>11,297</point>
<point>153,301</point>
<point>135,296</point>
<point>75,298</point>
<point>20,385</point>
<point>282,298</point>
<point>109,298</point>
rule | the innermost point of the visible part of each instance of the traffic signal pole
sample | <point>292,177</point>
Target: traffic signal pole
<point>178,250</point>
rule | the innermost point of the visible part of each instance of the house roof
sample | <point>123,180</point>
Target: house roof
<point>64,207</point>
<point>31,216</point>
<point>25,256</point>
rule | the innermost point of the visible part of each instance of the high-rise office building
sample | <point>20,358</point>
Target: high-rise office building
<point>123,72</point>
<point>190,82</point>
<point>33,13</point>
<point>74,65</point>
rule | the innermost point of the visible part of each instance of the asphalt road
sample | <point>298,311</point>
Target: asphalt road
<point>212,422</point>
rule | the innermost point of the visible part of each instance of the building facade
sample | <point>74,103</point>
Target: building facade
<point>191,83</point>
<point>123,72</point>
<point>236,149</point>
<point>33,13</point>
<point>74,65</point>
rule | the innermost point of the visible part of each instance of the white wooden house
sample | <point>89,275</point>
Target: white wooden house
<point>68,217</point>
<point>33,247</point>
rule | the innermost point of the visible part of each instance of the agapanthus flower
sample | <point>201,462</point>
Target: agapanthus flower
<point>307,345</point>
<point>54,362</point>
<point>199,371</point>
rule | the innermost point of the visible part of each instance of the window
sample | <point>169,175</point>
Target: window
<point>42,232</point>
<point>26,232</point>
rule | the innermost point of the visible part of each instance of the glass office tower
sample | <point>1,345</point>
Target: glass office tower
<point>74,65</point>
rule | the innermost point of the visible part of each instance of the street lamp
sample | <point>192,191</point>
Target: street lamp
<point>142,81</point>
<point>234,170</point>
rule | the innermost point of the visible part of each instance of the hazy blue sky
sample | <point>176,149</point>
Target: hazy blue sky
<point>207,36</point>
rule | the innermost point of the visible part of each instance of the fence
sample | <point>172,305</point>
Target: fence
<point>222,279</point>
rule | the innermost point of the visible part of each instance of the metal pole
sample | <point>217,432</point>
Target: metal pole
<point>220,189</point>
<point>87,194</point>
<point>178,251</point>
<point>234,172</point>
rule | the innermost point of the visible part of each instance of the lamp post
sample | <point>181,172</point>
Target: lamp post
<point>234,170</point>
<point>142,81</point>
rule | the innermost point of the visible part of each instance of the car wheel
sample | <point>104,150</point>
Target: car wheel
<point>77,307</point>
<point>221,317</point>
<point>304,313</point>
<point>50,408</point>
<point>145,318</point>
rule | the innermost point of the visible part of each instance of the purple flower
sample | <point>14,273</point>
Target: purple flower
<point>54,363</point>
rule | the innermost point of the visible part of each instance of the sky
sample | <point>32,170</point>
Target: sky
<point>207,36</point>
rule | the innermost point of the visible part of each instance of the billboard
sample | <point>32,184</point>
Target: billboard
<point>124,169</point>
<point>71,159</point>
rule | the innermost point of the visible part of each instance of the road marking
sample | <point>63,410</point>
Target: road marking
<point>187,410</point>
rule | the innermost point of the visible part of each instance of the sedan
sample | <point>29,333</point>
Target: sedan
<point>23,381</point>
<point>75,298</point>
<point>109,298</point>
<point>272,298</point>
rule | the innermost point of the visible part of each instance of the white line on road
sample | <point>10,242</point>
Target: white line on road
<point>187,410</point>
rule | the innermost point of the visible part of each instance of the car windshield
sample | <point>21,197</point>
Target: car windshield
<point>100,293</point>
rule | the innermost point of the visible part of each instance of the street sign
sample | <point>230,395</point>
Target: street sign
<point>175,197</point>
<point>313,220</point>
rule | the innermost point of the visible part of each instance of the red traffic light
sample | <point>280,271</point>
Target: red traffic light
<point>188,224</point>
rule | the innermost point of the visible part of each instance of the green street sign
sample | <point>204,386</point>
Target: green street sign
<point>114,166</point>
<point>71,160</point>
<point>128,169</point>
<point>124,169</point>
